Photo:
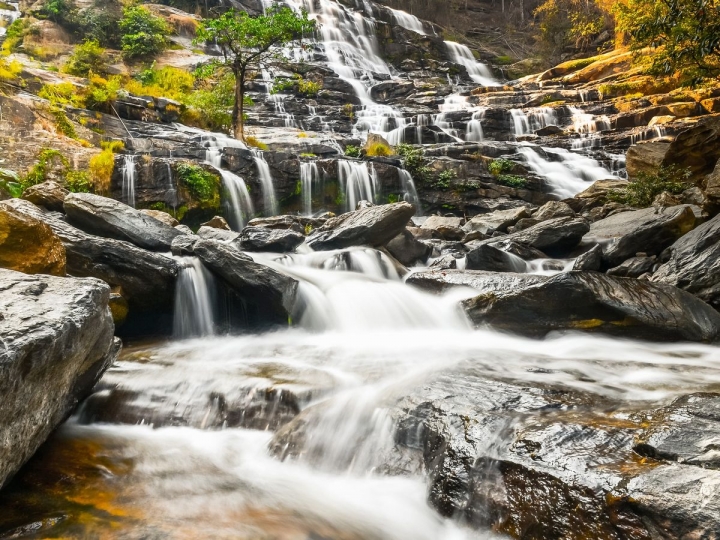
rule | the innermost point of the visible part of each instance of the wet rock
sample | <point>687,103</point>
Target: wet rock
<point>184,245</point>
<point>373,226</point>
<point>211,233</point>
<point>649,230</point>
<point>145,279</point>
<point>492,259</point>
<point>693,263</point>
<point>687,431</point>
<point>218,222</point>
<point>449,228</point>
<point>48,194</point>
<point>595,302</point>
<point>113,219</point>
<point>526,253</point>
<point>553,209</point>
<point>485,282</point>
<point>274,240</point>
<point>28,245</point>
<point>164,217</point>
<point>407,249</point>
<point>270,295</point>
<point>591,260</point>
<point>634,267</point>
<point>57,340</point>
<point>523,224</point>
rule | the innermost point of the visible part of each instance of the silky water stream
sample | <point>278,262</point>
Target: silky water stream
<point>176,442</point>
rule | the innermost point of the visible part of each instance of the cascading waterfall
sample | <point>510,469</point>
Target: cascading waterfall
<point>268,185</point>
<point>410,193</point>
<point>195,303</point>
<point>532,120</point>
<point>358,182</point>
<point>239,206</point>
<point>567,176</point>
<point>474,132</point>
<point>521,124</point>
<point>589,127</point>
<point>478,71</point>
<point>408,21</point>
<point>309,177</point>
<point>9,15</point>
<point>129,170</point>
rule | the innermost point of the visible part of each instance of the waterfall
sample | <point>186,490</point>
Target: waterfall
<point>9,15</point>
<point>410,194</point>
<point>474,131</point>
<point>309,176</point>
<point>195,303</point>
<point>128,180</point>
<point>408,21</point>
<point>358,182</point>
<point>239,206</point>
<point>521,124</point>
<point>569,175</point>
<point>463,56</point>
<point>423,120</point>
<point>589,127</point>
<point>268,185</point>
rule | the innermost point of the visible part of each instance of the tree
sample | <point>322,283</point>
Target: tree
<point>143,34</point>
<point>249,43</point>
<point>685,34</point>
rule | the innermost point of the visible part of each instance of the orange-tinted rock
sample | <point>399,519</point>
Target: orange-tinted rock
<point>29,245</point>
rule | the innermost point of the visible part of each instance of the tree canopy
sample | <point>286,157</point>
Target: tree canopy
<point>249,43</point>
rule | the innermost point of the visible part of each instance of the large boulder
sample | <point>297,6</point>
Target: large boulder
<point>270,295</point>
<point>28,245</point>
<point>145,279</point>
<point>492,259</point>
<point>595,302</point>
<point>693,263</point>
<point>48,194</point>
<point>649,231</point>
<point>113,219</point>
<point>449,228</point>
<point>474,281</point>
<point>57,336</point>
<point>273,240</point>
<point>374,226</point>
<point>499,220</point>
<point>407,249</point>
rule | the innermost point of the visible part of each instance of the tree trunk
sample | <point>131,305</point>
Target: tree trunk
<point>239,106</point>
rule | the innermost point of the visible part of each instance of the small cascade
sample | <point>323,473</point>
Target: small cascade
<point>570,174</point>
<point>410,194</point>
<point>589,127</point>
<point>129,170</point>
<point>195,303</point>
<point>268,185</point>
<point>532,120</point>
<point>408,21</point>
<point>549,267</point>
<point>9,15</point>
<point>478,71</point>
<point>309,177</point>
<point>239,205</point>
<point>521,124</point>
<point>423,120</point>
<point>358,182</point>
<point>214,157</point>
<point>474,132</point>
<point>648,134</point>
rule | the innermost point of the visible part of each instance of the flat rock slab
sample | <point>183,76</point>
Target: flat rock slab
<point>57,339</point>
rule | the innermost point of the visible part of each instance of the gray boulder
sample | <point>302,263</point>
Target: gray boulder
<point>438,281</point>
<point>490,258</point>
<point>693,263</point>
<point>595,302</point>
<point>145,279</point>
<point>649,230</point>
<point>407,249</point>
<point>269,295</point>
<point>374,226</point>
<point>591,260</point>
<point>113,219</point>
<point>212,233</point>
<point>57,336</point>
<point>48,194</point>
<point>449,228</point>
<point>273,240</point>
<point>553,209</point>
<point>634,267</point>
<point>496,221</point>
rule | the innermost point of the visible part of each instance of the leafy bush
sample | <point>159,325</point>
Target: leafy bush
<point>102,92</point>
<point>500,166</point>
<point>168,82</point>
<point>414,161</point>
<point>11,182</point>
<point>641,191</point>
<point>86,58</point>
<point>101,168</point>
<point>512,180</point>
<point>211,105</point>
<point>352,151</point>
<point>378,149</point>
<point>9,70</point>
<point>308,88</point>
<point>202,184</point>
<point>296,84</point>
<point>349,111</point>
<point>14,35</point>
<point>143,34</point>
<point>63,123</point>
<point>48,160</point>
<point>78,182</point>
<point>255,143</point>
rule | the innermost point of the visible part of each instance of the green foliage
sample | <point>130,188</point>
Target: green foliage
<point>500,166</point>
<point>641,191</point>
<point>87,57</point>
<point>168,82</point>
<point>414,161</point>
<point>307,155</point>
<point>349,111</point>
<point>78,182</point>
<point>569,23</point>
<point>352,151</point>
<point>296,84</point>
<point>56,10</point>
<point>392,198</point>
<point>249,42</point>
<point>211,105</point>
<point>63,123</point>
<point>443,179</point>
<point>685,34</point>
<point>10,182</point>
<point>202,184</point>
<point>512,180</point>
<point>14,35</point>
<point>48,160</point>
<point>9,70</point>
<point>143,34</point>
<point>102,92</point>
<point>101,168</point>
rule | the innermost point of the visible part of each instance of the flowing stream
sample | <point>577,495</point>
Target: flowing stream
<point>176,442</point>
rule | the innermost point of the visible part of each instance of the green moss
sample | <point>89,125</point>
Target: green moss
<point>500,166</point>
<point>63,123</point>
<point>78,182</point>
<point>352,151</point>
<point>511,180</point>
<point>641,191</point>
<point>203,185</point>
